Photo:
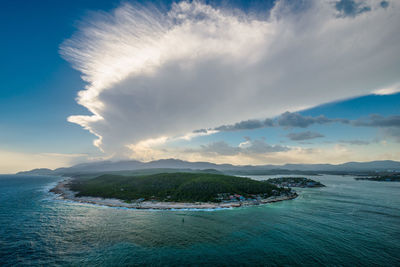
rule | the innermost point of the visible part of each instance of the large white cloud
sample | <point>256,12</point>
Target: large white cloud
<point>152,74</point>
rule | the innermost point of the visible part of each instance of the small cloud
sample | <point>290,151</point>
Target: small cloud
<point>261,147</point>
<point>245,144</point>
<point>387,90</point>
<point>200,131</point>
<point>376,120</point>
<point>195,133</point>
<point>304,136</point>
<point>220,148</point>
<point>248,147</point>
<point>289,120</point>
<point>268,123</point>
<point>246,125</point>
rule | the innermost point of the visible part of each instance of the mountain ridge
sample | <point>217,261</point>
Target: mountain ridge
<point>127,165</point>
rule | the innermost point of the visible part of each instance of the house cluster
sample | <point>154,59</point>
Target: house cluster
<point>228,197</point>
<point>298,182</point>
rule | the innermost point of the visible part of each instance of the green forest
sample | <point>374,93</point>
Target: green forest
<point>189,187</point>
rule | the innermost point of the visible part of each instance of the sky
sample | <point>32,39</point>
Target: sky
<point>241,82</point>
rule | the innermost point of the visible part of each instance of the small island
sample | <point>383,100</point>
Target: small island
<point>295,182</point>
<point>172,191</point>
<point>381,178</point>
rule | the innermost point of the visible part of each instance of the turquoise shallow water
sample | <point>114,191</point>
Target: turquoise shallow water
<point>348,223</point>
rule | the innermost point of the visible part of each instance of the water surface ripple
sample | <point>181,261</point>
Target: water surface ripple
<point>347,223</point>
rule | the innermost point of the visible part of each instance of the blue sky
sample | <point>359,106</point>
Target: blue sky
<point>45,55</point>
<point>38,86</point>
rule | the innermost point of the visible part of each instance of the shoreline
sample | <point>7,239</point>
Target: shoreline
<point>65,193</point>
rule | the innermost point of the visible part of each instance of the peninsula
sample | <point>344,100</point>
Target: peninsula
<point>295,182</point>
<point>173,191</point>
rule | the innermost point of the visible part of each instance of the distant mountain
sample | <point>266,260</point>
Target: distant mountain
<point>126,165</point>
<point>129,165</point>
<point>41,171</point>
<point>383,165</point>
<point>373,165</point>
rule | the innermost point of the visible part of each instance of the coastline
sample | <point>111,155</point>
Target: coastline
<point>64,192</point>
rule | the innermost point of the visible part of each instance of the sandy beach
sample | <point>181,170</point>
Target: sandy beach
<point>64,192</point>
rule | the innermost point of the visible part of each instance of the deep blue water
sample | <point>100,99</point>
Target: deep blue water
<point>348,223</point>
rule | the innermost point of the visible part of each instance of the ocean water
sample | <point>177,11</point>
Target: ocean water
<point>347,223</point>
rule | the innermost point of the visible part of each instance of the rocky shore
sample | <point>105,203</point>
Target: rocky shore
<point>62,189</point>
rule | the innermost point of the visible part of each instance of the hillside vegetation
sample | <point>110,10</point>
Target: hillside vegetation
<point>189,187</point>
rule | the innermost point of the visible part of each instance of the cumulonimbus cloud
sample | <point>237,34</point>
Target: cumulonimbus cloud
<point>155,74</point>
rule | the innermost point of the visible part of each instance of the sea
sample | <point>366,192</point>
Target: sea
<point>346,223</point>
